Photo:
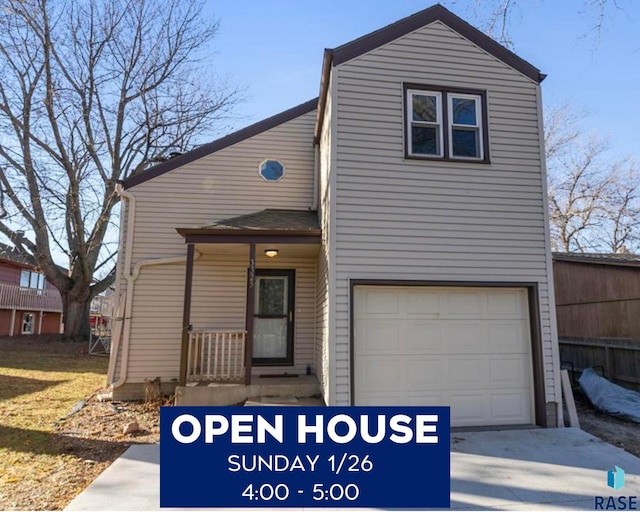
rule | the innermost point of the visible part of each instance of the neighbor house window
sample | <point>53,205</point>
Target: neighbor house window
<point>27,323</point>
<point>30,279</point>
<point>448,124</point>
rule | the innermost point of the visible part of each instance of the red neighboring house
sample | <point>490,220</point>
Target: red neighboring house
<point>29,304</point>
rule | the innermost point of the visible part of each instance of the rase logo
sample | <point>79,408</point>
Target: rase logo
<point>615,480</point>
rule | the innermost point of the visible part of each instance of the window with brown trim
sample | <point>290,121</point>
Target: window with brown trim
<point>445,123</point>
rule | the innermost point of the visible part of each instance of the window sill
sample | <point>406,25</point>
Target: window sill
<point>484,161</point>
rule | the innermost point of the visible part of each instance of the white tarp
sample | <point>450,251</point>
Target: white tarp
<point>610,397</point>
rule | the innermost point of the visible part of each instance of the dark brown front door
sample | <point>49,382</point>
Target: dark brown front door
<point>273,317</point>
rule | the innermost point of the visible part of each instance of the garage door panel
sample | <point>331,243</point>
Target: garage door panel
<point>425,373</point>
<point>466,373</point>
<point>506,303</point>
<point>464,347</point>
<point>381,336</point>
<point>424,304</point>
<point>468,409</point>
<point>511,408</point>
<point>465,304</point>
<point>508,373</point>
<point>385,302</point>
<point>465,337</point>
<point>381,374</point>
<point>508,338</point>
<point>423,337</point>
<point>407,399</point>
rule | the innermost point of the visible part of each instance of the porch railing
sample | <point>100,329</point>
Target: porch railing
<point>17,297</point>
<point>216,356</point>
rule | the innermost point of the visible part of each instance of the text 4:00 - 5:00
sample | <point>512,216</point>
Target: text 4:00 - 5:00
<point>321,492</point>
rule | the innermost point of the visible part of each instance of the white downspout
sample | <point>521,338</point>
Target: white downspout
<point>118,321</point>
<point>124,333</point>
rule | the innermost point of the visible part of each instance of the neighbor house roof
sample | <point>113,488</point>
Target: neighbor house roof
<point>357,47</point>
<point>12,255</point>
<point>629,260</point>
<point>218,144</point>
<point>269,222</point>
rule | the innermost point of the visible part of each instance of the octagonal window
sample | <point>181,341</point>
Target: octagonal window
<point>271,170</point>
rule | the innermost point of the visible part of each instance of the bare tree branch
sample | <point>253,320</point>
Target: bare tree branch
<point>90,93</point>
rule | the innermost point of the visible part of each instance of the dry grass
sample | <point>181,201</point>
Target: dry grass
<point>46,458</point>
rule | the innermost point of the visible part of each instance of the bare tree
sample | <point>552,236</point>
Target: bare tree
<point>496,16</point>
<point>91,92</point>
<point>593,199</point>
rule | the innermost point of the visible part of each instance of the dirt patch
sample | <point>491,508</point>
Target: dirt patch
<point>48,456</point>
<point>615,431</point>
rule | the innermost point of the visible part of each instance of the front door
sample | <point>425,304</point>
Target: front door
<point>273,317</point>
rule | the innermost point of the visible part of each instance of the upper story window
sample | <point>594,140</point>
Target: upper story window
<point>31,279</point>
<point>271,170</point>
<point>447,124</point>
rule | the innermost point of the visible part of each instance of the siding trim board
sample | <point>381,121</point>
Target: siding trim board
<point>224,142</point>
<point>533,295</point>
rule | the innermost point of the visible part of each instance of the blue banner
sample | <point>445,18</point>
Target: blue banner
<point>383,457</point>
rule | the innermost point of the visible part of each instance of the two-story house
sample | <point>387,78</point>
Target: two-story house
<point>29,304</point>
<point>388,238</point>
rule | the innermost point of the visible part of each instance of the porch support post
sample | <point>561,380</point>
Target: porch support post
<point>13,322</point>
<point>248,351</point>
<point>186,316</point>
<point>40,322</point>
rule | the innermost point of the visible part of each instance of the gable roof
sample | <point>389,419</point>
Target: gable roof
<point>357,47</point>
<point>218,144</point>
<point>12,255</point>
<point>627,260</point>
<point>340,55</point>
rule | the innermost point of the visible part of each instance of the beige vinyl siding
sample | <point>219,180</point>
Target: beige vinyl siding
<point>218,186</point>
<point>225,184</point>
<point>430,220</point>
<point>325,304</point>
<point>322,325</point>
<point>218,302</point>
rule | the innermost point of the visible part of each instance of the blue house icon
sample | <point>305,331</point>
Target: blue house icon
<point>615,478</point>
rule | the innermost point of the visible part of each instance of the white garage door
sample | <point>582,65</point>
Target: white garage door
<point>468,348</point>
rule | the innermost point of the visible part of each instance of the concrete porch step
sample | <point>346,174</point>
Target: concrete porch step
<point>215,393</point>
<point>284,400</point>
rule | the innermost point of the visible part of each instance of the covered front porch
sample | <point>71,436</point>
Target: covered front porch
<point>249,317</point>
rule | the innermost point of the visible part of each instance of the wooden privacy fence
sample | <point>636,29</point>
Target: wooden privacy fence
<point>619,357</point>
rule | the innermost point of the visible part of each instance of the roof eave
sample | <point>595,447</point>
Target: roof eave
<point>588,261</point>
<point>240,232</point>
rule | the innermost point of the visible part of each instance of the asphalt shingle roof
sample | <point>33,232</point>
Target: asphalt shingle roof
<point>272,219</point>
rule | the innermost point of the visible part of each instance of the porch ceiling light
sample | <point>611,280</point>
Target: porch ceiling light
<point>271,253</point>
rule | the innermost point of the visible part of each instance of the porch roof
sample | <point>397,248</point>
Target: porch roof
<point>270,225</point>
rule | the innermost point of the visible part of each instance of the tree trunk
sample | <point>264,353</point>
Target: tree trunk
<point>76,318</point>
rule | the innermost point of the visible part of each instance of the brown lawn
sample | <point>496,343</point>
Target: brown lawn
<point>46,456</point>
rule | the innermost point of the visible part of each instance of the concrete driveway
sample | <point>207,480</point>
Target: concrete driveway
<point>535,469</point>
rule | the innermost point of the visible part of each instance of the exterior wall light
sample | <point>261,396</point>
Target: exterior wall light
<point>271,253</point>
